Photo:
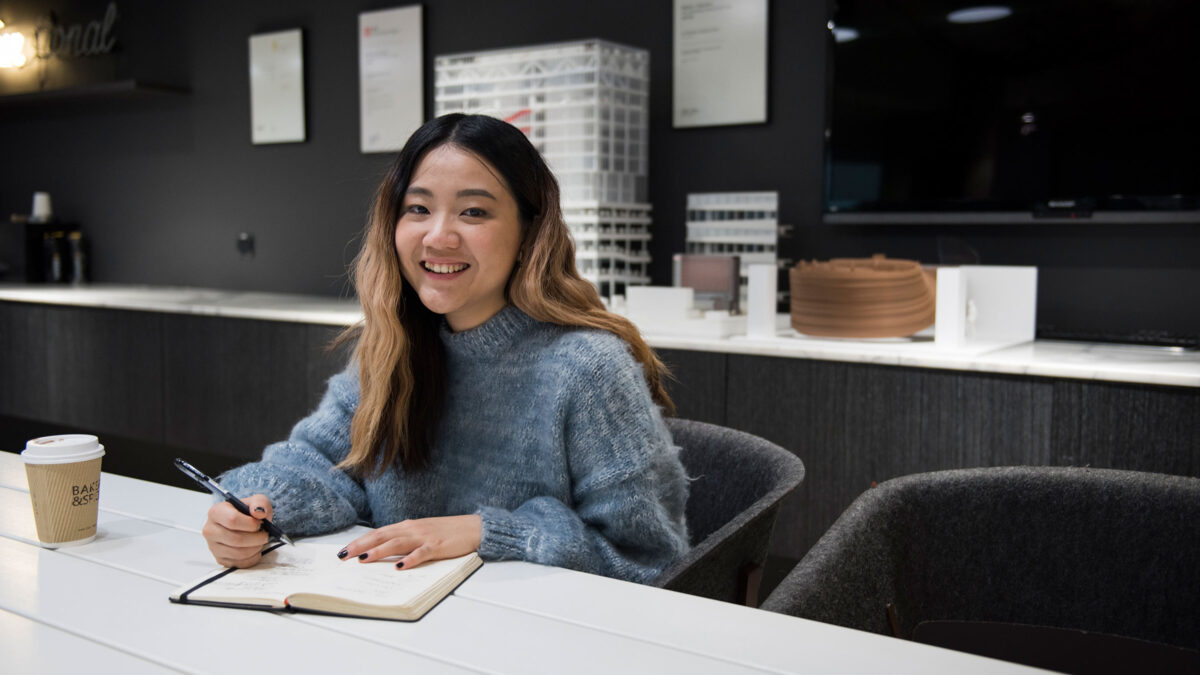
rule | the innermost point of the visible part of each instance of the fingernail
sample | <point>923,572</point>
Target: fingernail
<point>400,565</point>
<point>343,553</point>
<point>259,509</point>
<point>362,556</point>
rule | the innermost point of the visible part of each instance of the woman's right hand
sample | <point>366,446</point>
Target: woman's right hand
<point>235,539</point>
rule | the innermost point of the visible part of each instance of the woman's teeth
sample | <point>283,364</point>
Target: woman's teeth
<point>445,269</point>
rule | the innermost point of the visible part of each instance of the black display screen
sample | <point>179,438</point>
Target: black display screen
<point>1084,102</point>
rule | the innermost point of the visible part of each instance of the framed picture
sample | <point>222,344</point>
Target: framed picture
<point>720,62</point>
<point>277,87</point>
<point>391,90</point>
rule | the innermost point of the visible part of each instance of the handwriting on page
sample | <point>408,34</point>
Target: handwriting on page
<point>315,568</point>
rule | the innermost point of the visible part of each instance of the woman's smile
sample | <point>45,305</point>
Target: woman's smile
<point>444,270</point>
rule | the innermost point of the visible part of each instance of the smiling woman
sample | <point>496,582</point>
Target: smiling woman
<point>493,404</point>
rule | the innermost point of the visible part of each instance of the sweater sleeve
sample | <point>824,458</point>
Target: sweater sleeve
<point>308,494</point>
<point>627,483</point>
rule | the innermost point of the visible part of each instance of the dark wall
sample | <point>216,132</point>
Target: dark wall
<point>163,185</point>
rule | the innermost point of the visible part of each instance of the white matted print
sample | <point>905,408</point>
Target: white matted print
<point>720,62</point>
<point>277,87</point>
<point>391,91</point>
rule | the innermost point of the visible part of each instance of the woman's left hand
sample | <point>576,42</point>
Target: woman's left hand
<point>418,540</point>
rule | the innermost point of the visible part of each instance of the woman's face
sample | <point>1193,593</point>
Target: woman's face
<point>458,236</point>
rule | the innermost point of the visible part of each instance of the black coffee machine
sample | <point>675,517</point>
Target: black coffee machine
<point>55,253</point>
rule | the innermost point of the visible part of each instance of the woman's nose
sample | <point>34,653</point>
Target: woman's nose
<point>442,234</point>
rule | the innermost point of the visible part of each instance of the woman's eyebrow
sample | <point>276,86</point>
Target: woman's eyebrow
<point>477,192</point>
<point>470,192</point>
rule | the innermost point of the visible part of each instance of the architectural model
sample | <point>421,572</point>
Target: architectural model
<point>585,107</point>
<point>671,310</point>
<point>745,224</point>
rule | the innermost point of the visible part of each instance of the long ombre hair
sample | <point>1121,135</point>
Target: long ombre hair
<point>401,360</point>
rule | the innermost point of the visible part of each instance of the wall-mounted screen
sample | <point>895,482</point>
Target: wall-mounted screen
<point>1038,106</point>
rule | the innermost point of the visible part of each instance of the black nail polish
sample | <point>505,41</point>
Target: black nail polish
<point>343,553</point>
<point>400,565</point>
<point>259,509</point>
<point>363,556</point>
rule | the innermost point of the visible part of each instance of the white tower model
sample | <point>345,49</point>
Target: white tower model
<point>585,107</point>
<point>745,224</point>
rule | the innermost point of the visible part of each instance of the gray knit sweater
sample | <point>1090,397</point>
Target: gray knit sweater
<point>549,434</point>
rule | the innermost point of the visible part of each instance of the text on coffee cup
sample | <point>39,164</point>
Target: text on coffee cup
<point>82,495</point>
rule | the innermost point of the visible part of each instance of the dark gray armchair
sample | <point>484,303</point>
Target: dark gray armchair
<point>1081,551</point>
<point>739,480</point>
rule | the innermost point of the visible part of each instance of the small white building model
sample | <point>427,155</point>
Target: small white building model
<point>745,224</point>
<point>585,107</point>
<point>669,310</point>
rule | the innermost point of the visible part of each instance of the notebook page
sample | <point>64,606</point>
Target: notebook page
<point>316,569</point>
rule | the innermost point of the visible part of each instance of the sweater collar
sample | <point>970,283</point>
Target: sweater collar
<point>494,335</point>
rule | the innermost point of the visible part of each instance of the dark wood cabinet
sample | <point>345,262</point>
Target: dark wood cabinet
<point>856,424</point>
<point>1127,426</point>
<point>232,385</point>
<point>221,388</point>
<point>82,367</point>
<point>324,360</point>
<point>24,387</point>
<point>697,384</point>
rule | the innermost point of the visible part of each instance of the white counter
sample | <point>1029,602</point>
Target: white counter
<point>1047,358</point>
<point>183,300</point>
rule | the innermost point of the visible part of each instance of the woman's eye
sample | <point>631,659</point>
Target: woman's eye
<point>417,209</point>
<point>474,213</point>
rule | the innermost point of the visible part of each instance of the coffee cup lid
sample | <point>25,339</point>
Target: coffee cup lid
<point>62,449</point>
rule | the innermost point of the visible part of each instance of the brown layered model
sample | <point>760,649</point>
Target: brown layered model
<point>862,297</point>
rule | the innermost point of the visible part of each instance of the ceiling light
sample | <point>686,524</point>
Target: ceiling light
<point>841,34</point>
<point>844,34</point>
<point>979,14</point>
<point>12,50</point>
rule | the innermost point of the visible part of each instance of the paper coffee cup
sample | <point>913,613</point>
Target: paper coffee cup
<point>64,486</point>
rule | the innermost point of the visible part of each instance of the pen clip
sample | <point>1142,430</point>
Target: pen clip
<point>201,478</point>
<point>191,471</point>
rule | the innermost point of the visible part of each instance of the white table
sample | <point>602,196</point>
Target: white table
<point>103,607</point>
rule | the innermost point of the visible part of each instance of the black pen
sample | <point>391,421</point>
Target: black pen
<point>213,487</point>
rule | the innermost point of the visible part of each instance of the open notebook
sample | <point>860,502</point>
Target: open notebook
<point>308,577</point>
